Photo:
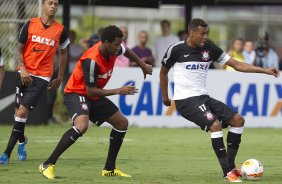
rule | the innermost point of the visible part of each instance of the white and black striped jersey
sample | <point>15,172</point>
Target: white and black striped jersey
<point>190,66</point>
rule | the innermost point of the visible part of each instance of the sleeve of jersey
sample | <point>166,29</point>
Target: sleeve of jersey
<point>224,57</point>
<point>122,50</point>
<point>23,35</point>
<point>64,40</point>
<point>168,59</point>
<point>90,72</point>
<point>219,55</point>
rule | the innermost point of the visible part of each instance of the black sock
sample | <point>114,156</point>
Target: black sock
<point>16,134</point>
<point>233,142</point>
<point>116,139</point>
<point>220,151</point>
<point>66,141</point>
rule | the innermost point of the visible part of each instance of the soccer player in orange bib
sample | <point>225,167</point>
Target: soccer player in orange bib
<point>38,41</point>
<point>85,99</point>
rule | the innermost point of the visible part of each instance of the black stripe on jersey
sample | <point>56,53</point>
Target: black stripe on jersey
<point>64,36</point>
<point>90,72</point>
<point>23,35</point>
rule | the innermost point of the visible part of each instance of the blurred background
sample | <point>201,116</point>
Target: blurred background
<point>247,29</point>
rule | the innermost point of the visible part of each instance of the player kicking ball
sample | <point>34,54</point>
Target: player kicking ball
<point>190,60</point>
<point>85,99</point>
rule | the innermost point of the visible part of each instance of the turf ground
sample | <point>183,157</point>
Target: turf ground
<point>150,155</point>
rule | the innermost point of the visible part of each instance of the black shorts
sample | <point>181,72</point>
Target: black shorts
<point>28,96</point>
<point>204,110</point>
<point>97,110</point>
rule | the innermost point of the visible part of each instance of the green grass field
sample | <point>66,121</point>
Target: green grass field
<point>150,155</point>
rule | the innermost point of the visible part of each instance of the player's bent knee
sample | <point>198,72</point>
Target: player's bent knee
<point>22,112</point>
<point>125,124</point>
<point>122,125</point>
<point>82,127</point>
<point>239,120</point>
<point>216,126</point>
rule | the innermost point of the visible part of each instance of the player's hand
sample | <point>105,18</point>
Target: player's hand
<point>272,71</point>
<point>128,90</point>
<point>25,77</point>
<point>147,69</point>
<point>54,84</point>
<point>166,101</point>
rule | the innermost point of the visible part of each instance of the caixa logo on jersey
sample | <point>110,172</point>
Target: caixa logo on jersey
<point>256,99</point>
<point>147,102</point>
<point>39,39</point>
<point>197,66</point>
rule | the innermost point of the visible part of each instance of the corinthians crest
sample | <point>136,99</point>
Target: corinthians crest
<point>206,55</point>
<point>209,115</point>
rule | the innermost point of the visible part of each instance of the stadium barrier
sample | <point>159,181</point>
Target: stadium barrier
<point>258,97</point>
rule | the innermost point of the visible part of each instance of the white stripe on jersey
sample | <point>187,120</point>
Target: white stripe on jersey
<point>1,61</point>
<point>91,72</point>
<point>65,44</point>
<point>223,58</point>
<point>123,49</point>
<point>170,49</point>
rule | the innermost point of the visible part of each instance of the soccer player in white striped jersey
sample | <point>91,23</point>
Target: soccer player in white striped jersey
<point>190,60</point>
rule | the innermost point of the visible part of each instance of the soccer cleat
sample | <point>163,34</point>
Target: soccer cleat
<point>48,171</point>
<point>231,177</point>
<point>4,159</point>
<point>237,172</point>
<point>22,150</point>
<point>115,172</point>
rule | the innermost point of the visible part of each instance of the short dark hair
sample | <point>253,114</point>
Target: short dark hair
<point>195,23</point>
<point>143,31</point>
<point>110,33</point>
<point>43,1</point>
<point>237,39</point>
<point>249,40</point>
<point>165,22</point>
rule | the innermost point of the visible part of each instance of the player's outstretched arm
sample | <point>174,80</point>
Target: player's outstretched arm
<point>147,69</point>
<point>125,90</point>
<point>55,84</point>
<point>244,67</point>
<point>164,84</point>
